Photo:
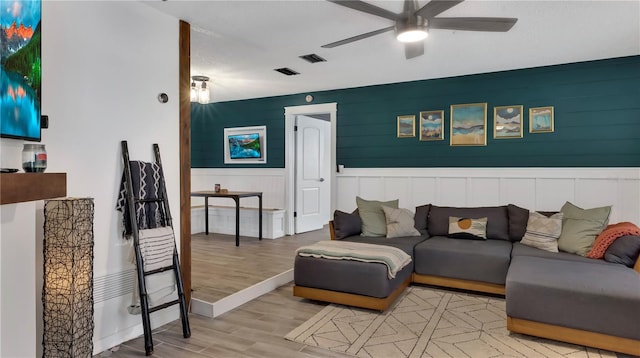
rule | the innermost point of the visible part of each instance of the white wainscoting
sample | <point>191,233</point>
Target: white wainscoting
<point>222,220</point>
<point>545,189</point>
<point>270,181</point>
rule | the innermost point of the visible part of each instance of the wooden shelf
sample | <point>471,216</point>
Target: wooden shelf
<point>22,187</point>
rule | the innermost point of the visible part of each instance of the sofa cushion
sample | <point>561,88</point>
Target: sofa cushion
<point>400,222</point>
<point>497,219</point>
<point>476,260</point>
<point>345,224</point>
<point>580,295</point>
<point>543,232</point>
<point>624,250</point>
<point>523,250</point>
<point>466,228</point>
<point>421,216</point>
<point>518,218</point>
<point>372,216</point>
<point>580,227</point>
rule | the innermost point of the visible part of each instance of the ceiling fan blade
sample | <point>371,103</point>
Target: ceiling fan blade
<point>436,7</point>
<point>366,7</point>
<point>497,24</point>
<point>413,49</point>
<point>359,37</point>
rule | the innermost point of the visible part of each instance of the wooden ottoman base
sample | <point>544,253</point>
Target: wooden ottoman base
<point>343,298</point>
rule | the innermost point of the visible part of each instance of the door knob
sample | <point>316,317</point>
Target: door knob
<point>321,180</point>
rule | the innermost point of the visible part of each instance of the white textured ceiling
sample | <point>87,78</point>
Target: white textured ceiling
<point>240,43</point>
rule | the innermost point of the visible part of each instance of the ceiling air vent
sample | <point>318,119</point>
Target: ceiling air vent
<point>313,58</point>
<point>287,71</point>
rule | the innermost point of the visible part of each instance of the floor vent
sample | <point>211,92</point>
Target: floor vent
<point>313,58</point>
<point>287,71</point>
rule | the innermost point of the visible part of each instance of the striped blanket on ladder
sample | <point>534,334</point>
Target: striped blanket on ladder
<point>147,183</point>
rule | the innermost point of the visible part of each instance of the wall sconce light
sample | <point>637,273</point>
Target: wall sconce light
<point>202,93</point>
<point>67,292</point>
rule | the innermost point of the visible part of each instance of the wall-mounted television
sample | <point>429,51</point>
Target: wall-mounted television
<point>21,66</point>
<point>245,145</point>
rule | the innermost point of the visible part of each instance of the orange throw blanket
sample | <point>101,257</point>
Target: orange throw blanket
<point>609,235</point>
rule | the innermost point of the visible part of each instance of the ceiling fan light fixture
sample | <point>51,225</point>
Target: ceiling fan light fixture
<point>412,35</point>
<point>411,29</point>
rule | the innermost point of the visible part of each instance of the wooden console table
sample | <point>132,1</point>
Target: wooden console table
<point>235,195</point>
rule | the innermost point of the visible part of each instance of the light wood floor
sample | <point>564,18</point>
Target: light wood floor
<point>257,328</point>
<point>219,268</point>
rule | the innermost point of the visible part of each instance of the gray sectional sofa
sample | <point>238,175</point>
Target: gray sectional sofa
<point>554,295</point>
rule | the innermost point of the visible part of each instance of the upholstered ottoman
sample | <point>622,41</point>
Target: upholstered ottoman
<point>352,279</point>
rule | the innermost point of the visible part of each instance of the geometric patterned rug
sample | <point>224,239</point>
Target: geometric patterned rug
<point>428,322</point>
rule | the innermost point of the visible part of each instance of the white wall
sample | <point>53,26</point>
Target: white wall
<point>104,63</point>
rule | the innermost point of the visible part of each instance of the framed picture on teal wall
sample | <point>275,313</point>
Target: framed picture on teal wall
<point>541,119</point>
<point>507,122</point>
<point>468,124</point>
<point>406,126</point>
<point>431,125</point>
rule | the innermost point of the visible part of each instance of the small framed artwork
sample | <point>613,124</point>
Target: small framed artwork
<point>541,120</point>
<point>507,122</point>
<point>432,125</point>
<point>468,124</point>
<point>406,126</point>
<point>245,145</point>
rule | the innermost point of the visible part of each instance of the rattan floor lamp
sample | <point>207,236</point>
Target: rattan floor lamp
<point>67,292</point>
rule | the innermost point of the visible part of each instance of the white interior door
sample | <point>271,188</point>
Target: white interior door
<point>313,176</point>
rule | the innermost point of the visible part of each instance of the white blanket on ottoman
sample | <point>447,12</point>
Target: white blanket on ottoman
<point>394,258</point>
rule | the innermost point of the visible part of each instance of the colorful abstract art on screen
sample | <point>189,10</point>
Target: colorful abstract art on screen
<point>21,66</point>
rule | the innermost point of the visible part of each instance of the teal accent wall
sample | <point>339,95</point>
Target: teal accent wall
<point>597,120</point>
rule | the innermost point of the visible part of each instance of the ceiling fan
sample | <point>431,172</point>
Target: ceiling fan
<point>412,24</point>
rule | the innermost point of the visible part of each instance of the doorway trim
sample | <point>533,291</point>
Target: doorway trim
<point>290,114</point>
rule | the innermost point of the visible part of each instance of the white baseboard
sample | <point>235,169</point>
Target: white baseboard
<point>226,304</point>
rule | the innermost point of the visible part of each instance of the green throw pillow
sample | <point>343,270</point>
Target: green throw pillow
<point>374,222</point>
<point>580,227</point>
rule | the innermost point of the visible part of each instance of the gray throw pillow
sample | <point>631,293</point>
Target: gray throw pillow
<point>345,224</point>
<point>518,219</point>
<point>400,222</point>
<point>421,217</point>
<point>543,232</point>
<point>624,250</point>
<point>580,227</point>
<point>374,222</point>
<point>497,224</point>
